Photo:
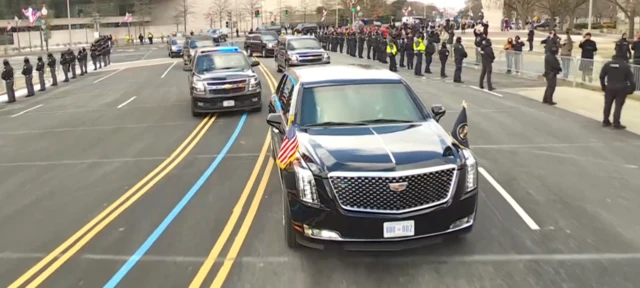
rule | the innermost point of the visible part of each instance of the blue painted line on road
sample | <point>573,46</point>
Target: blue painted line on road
<point>115,280</point>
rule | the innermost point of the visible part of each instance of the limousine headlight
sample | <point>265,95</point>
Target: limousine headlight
<point>305,182</point>
<point>472,170</point>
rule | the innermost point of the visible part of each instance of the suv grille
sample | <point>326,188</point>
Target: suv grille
<point>361,192</point>
<point>218,88</point>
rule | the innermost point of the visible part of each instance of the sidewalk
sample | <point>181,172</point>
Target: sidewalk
<point>586,103</point>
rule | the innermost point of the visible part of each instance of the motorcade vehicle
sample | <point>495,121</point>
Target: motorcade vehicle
<point>373,168</point>
<point>217,34</point>
<point>306,28</point>
<point>261,42</point>
<point>174,46</point>
<point>299,51</point>
<point>222,79</point>
<point>192,43</point>
<point>271,28</point>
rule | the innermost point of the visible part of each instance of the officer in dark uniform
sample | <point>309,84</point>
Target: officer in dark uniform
<point>369,43</point>
<point>106,52</point>
<point>374,46</point>
<point>40,68</point>
<point>408,50</point>
<point>443,54</point>
<point>361,40</point>
<point>94,55</point>
<point>64,62</point>
<point>488,56</point>
<point>99,53</point>
<point>552,68</point>
<point>402,43</point>
<point>7,77</point>
<point>85,59</point>
<point>433,39</point>
<point>458,56</point>
<point>51,62</point>
<point>619,84</point>
<point>354,43</point>
<point>72,62</point>
<point>348,41</point>
<point>341,40</point>
<point>27,71</point>
<point>335,40</point>
<point>382,49</point>
<point>80,63</point>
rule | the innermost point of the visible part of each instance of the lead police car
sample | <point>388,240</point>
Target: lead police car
<point>374,170</point>
<point>222,79</point>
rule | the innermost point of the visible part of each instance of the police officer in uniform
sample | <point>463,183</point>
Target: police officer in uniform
<point>374,46</point>
<point>408,50</point>
<point>392,50</point>
<point>348,40</point>
<point>444,56</point>
<point>80,62</point>
<point>402,43</point>
<point>51,62</point>
<point>361,39</point>
<point>105,53</point>
<point>619,84</point>
<point>382,49</point>
<point>40,69</point>
<point>99,53</point>
<point>432,40</point>
<point>72,62</point>
<point>64,62</point>
<point>7,77</point>
<point>341,41</point>
<point>369,43</point>
<point>94,55</point>
<point>419,49</point>
<point>27,71</point>
<point>458,56</point>
<point>552,68</point>
<point>354,43</point>
<point>488,56</point>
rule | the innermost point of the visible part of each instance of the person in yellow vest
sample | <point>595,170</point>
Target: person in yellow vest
<point>150,37</point>
<point>162,37</point>
<point>127,39</point>
<point>392,50</point>
<point>419,49</point>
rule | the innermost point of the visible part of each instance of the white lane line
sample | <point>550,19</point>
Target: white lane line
<point>168,69</point>
<point>145,55</point>
<point>490,92</point>
<point>25,111</point>
<point>127,102</point>
<point>278,260</point>
<point>105,77</point>
<point>523,214</point>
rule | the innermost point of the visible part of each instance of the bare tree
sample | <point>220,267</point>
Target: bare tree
<point>561,9</point>
<point>219,8</point>
<point>142,11</point>
<point>184,10</point>
<point>250,6</point>
<point>177,19</point>
<point>305,9</point>
<point>630,10</point>
<point>523,8</point>
<point>376,8</point>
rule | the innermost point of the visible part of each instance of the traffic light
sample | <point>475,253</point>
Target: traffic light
<point>226,24</point>
<point>257,13</point>
<point>286,13</point>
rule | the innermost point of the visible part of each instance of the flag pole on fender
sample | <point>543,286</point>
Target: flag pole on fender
<point>461,128</point>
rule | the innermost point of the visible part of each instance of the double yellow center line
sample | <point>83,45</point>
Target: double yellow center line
<point>237,210</point>
<point>78,240</point>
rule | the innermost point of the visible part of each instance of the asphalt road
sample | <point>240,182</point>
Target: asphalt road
<point>557,207</point>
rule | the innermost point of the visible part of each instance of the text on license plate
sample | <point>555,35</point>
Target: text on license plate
<point>399,229</point>
<point>228,103</point>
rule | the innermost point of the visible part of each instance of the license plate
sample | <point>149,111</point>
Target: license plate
<point>398,229</point>
<point>228,103</point>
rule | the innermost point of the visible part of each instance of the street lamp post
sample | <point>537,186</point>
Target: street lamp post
<point>69,19</point>
<point>590,15</point>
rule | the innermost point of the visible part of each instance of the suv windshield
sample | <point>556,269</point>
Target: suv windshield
<point>358,104</point>
<point>193,44</point>
<point>269,37</point>
<point>305,43</point>
<point>220,61</point>
<point>177,42</point>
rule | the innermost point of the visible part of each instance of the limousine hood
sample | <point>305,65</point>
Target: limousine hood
<point>378,148</point>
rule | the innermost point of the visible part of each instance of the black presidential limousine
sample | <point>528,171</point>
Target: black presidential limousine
<point>375,170</point>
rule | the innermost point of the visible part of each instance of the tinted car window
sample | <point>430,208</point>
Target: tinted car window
<point>193,44</point>
<point>220,61</point>
<point>355,103</point>
<point>269,37</point>
<point>298,44</point>
<point>177,42</point>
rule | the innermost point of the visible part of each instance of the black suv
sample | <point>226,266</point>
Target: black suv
<point>222,79</point>
<point>374,170</point>
<point>299,51</point>
<point>261,42</point>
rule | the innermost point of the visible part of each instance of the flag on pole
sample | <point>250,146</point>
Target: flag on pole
<point>460,128</point>
<point>31,14</point>
<point>127,18</point>
<point>9,25</point>
<point>324,15</point>
<point>289,149</point>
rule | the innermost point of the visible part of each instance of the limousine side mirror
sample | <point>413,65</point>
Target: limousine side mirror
<point>255,63</point>
<point>438,111</point>
<point>275,120</point>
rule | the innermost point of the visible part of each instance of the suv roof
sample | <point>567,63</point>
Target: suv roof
<point>340,73</point>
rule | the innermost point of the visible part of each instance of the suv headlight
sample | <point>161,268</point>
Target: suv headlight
<point>254,83</point>
<point>305,182</point>
<point>472,170</point>
<point>294,58</point>
<point>198,86</point>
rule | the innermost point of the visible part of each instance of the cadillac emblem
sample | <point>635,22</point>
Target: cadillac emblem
<point>398,187</point>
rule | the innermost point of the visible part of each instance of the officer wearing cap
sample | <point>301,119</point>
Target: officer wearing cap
<point>7,76</point>
<point>619,83</point>
<point>551,70</point>
<point>487,57</point>
<point>40,69</point>
<point>51,62</point>
<point>27,71</point>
